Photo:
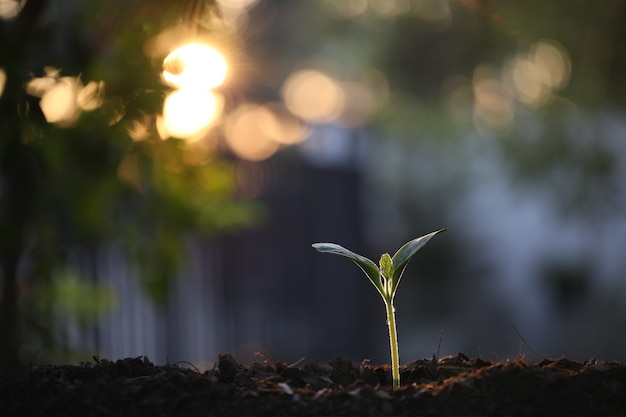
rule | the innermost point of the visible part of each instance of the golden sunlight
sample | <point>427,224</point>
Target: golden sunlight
<point>64,98</point>
<point>91,96</point>
<point>58,104</point>
<point>187,113</point>
<point>139,129</point>
<point>196,66</point>
<point>237,4</point>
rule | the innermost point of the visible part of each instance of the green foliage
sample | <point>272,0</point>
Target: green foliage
<point>90,183</point>
<point>76,299</point>
<point>385,278</point>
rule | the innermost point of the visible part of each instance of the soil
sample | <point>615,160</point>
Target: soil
<point>453,385</point>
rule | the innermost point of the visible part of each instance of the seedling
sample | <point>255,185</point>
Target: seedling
<point>385,277</point>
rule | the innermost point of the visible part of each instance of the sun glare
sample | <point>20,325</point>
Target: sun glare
<point>187,112</point>
<point>196,66</point>
<point>193,70</point>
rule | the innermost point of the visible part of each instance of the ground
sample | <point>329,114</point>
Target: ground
<point>453,385</point>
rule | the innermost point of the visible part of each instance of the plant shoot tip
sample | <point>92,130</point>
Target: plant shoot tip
<point>385,276</point>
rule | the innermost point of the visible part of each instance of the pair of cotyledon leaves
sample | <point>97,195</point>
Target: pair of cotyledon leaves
<point>386,276</point>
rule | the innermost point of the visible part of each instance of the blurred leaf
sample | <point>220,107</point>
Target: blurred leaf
<point>78,299</point>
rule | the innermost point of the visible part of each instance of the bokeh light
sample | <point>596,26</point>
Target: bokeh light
<point>529,79</point>
<point>249,132</point>
<point>187,113</point>
<point>535,76</point>
<point>554,62</point>
<point>196,66</point>
<point>313,96</point>
<point>193,69</point>
<point>234,13</point>
<point>10,8</point>
<point>59,104</point>
<point>285,128</point>
<point>64,98</point>
<point>254,132</point>
<point>317,98</point>
<point>237,4</point>
<point>360,104</point>
<point>3,80</point>
<point>435,11</point>
<point>139,128</point>
<point>91,96</point>
<point>493,101</point>
<point>390,8</point>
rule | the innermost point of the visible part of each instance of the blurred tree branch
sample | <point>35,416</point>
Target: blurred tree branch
<point>62,187</point>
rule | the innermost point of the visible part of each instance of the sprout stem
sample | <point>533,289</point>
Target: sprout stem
<point>393,341</point>
<point>385,278</point>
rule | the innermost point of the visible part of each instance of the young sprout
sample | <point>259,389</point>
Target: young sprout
<point>385,277</point>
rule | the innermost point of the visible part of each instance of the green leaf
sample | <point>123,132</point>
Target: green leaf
<point>367,266</point>
<point>386,265</point>
<point>402,257</point>
<point>386,270</point>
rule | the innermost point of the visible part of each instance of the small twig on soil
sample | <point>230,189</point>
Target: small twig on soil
<point>439,344</point>
<point>525,343</point>
<point>264,356</point>
<point>190,364</point>
<point>298,362</point>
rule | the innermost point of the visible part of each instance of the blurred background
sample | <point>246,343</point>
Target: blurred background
<point>166,166</point>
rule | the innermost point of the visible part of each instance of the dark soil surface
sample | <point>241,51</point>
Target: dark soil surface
<point>453,385</point>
